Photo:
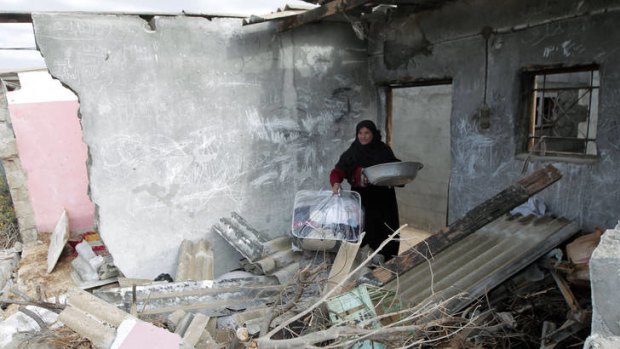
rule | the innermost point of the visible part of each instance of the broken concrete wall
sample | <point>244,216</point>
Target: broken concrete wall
<point>188,119</point>
<point>605,281</point>
<point>15,175</point>
<point>448,44</point>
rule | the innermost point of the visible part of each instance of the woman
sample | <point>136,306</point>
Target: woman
<point>379,203</point>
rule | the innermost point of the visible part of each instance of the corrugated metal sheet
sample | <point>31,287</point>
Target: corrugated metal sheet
<point>482,260</point>
<point>213,298</point>
<point>262,257</point>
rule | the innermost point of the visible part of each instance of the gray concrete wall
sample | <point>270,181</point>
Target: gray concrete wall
<point>447,44</point>
<point>190,119</point>
<point>421,132</point>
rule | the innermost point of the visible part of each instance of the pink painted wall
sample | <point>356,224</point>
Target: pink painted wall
<point>53,154</point>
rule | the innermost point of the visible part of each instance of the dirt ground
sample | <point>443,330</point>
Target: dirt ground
<point>32,276</point>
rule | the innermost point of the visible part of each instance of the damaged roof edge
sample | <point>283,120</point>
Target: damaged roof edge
<point>26,17</point>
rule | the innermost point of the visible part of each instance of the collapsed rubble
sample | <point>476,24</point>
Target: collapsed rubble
<point>487,280</point>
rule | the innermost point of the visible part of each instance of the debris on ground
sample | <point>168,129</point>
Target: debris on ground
<point>491,279</point>
<point>93,265</point>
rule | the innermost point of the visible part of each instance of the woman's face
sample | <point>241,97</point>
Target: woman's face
<point>364,136</point>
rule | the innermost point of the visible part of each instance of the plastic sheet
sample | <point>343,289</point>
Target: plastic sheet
<point>322,215</point>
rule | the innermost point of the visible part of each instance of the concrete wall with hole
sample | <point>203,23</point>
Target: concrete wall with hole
<point>447,44</point>
<point>188,119</point>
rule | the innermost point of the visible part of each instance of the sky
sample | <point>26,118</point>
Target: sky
<point>17,40</point>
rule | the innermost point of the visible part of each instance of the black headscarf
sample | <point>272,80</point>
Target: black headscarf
<point>374,153</point>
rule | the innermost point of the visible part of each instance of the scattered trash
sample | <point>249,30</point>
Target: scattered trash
<point>533,206</point>
<point>334,292</point>
<point>93,265</point>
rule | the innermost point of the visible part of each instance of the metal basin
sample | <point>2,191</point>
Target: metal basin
<point>392,173</point>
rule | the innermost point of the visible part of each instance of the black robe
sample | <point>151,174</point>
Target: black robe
<point>379,203</point>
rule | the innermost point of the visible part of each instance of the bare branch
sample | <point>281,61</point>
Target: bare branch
<point>336,288</point>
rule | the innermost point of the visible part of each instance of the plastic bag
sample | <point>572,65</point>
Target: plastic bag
<point>323,215</point>
<point>533,206</point>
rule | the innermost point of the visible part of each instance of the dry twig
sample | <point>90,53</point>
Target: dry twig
<point>332,291</point>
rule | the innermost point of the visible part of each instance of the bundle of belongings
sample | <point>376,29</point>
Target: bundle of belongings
<point>321,219</point>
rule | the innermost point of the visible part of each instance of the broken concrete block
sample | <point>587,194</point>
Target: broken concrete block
<point>84,270</point>
<point>59,239</point>
<point>8,262</point>
<point>172,321</point>
<point>252,319</point>
<point>195,329</point>
<point>184,323</point>
<point>133,333</point>
<point>212,327</point>
<point>596,341</point>
<point>101,335</point>
<point>605,283</point>
<point>90,304</point>
<point>271,263</point>
<point>206,339</point>
<point>285,274</point>
<point>19,322</point>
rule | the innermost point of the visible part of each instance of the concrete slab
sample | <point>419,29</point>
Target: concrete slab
<point>59,239</point>
<point>195,329</point>
<point>101,335</point>
<point>90,304</point>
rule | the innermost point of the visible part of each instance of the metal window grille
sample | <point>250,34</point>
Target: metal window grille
<point>563,113</point>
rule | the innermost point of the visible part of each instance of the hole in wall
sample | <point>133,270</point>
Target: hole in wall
<point>150,22</point>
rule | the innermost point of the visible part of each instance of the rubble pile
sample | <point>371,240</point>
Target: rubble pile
<point>524,285</point>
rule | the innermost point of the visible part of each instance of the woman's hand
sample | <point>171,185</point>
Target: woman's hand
<point>336,188</point>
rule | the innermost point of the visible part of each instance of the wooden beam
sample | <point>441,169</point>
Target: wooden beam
<point>329,9</point>
<point>475,219</point>
<point>15,18</point>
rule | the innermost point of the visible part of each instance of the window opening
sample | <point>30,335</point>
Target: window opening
<point>563,113</point>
